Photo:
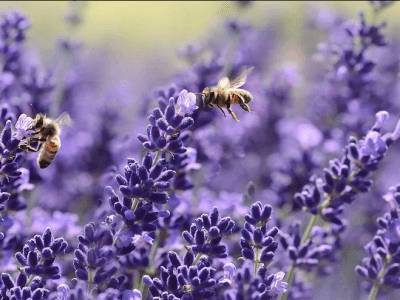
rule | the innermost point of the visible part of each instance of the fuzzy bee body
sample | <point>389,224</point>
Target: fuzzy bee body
<point>228,93</point>
<point>48,151</point>
<point>47,137</point>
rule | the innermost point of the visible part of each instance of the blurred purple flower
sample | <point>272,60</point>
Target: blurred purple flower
<point>23,127</point>
<point>186,103</point>
<point>279,286</point>
<point>142,240</point>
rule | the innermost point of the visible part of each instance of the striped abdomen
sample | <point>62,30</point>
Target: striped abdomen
<point>48,151</point>
<point>239,94</point>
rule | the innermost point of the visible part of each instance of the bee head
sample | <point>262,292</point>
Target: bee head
<point>39,121</point>
<point>206,95</point>
<point>49,129</point>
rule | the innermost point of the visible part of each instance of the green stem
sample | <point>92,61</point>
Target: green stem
<point>116,235</point>
<point>143,290</point>
<point>90,280</point>
<point>289,279</point>
<point>256,261</point>
<point>150,269</point>
<point>29,280</point>
<point>157,158</point>
<point>197,258</point>
<point>135,203</point>
<point>307,233</point>
<point>138,282</point>
<point>154,247</point>
<point>374,291</point>
<point>373,294</point>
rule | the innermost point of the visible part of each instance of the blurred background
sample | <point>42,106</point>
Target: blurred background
<point>149,33</point>
<point>129,49</point>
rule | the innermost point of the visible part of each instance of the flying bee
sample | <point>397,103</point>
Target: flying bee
<point>228,92</point>
<point>46,138</point>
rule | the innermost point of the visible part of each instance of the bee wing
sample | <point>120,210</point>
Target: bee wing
<point>64,119</point>
<point>224,82</point>
<point>241,78</point>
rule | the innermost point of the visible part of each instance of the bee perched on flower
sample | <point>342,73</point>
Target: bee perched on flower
<point>44,136</point>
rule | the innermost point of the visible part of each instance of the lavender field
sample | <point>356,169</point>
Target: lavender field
<point>235,151</point>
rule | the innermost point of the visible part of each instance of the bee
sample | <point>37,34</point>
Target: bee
<point>228,92</point>
<point>46,138</point>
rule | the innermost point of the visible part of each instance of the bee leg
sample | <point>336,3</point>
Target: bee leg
<point>243,104</point>
<point>231,112</point>
<point>37,131</point>
<point>29,148</point>
<point>222,110</point>
<point>245,107</point>
<point>26,145</point>
<point>37,139</point>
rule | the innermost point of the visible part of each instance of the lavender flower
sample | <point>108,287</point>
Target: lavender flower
<point>149,180</point>
<point>164,133</point>
<point>184,281</point>
<point>206,233</point>
<point>15,179</point>
<point>23,127</point>
<point>260,286</point>
<point>36,269</point>
<point>20,289</point>
<point>38,255</point>
<point>381,267</point>
<point>326,197</point>
<point>257,242</point>
<point>92,257</point>
<point>13,32</point>
<point>186,103</point>
<point>347,177</point>
<point>172,222</point>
